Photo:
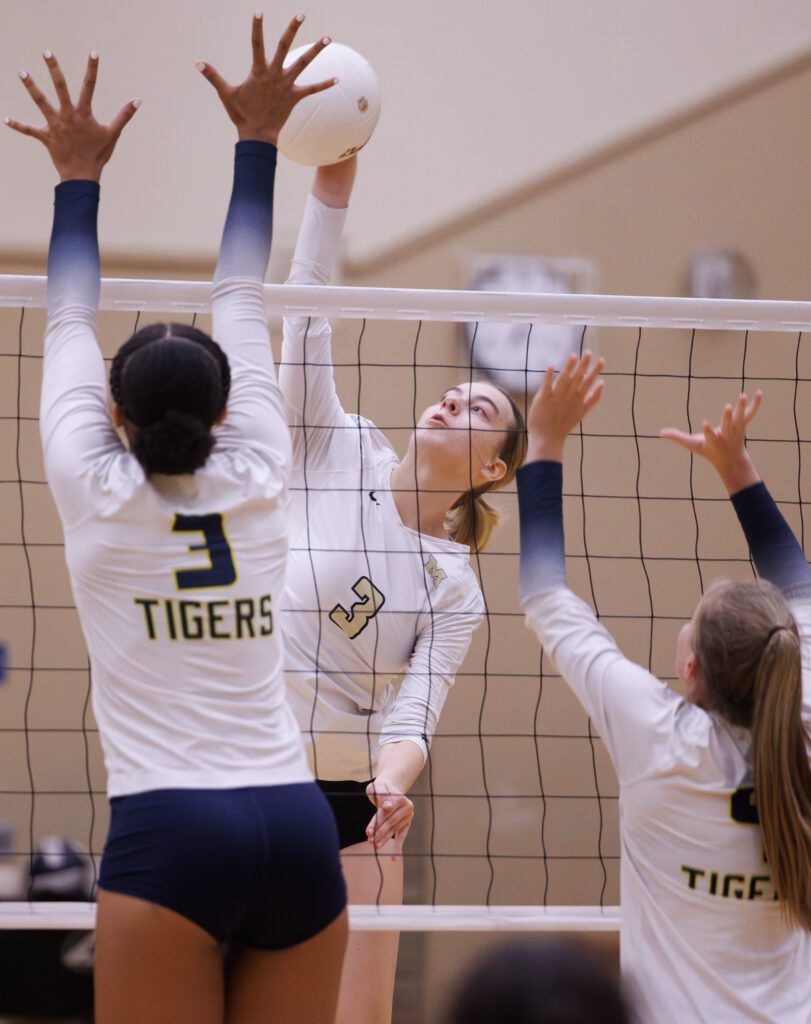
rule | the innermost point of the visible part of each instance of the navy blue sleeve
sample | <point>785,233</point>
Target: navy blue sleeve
<point>246,238</point>
<point>73,256</point>
<point>540,505</point>
<point>775,551</point>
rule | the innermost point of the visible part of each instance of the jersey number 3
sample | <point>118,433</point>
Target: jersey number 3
<point>222,571</point>
<point>354,621</point>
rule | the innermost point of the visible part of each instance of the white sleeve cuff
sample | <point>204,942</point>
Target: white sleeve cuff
<point>318,243</point>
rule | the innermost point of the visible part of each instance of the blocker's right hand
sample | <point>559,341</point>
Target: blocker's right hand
<point>261,104</point>
<point>78,145</point>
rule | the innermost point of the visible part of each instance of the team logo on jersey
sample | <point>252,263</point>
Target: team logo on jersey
<point>433,570</point>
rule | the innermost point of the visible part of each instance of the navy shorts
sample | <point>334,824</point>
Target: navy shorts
<point>258,865</point>
<point>352,808</point>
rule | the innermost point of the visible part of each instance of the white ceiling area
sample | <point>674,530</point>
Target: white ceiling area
<point>478,98</point>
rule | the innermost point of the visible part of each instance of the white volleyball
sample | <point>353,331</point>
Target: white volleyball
<point>332,125</point>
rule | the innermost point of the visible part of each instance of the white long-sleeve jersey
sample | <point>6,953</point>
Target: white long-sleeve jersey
<point>368,599</point>
<point>177,579</point>
<point>702,936</point>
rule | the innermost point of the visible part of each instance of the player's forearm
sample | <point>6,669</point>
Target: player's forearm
<point>540,502</point>
<point>777,555</point>
<point>246,238</point>
<point>73,256</point>
<point>318,243</point>
<point>400,764</point>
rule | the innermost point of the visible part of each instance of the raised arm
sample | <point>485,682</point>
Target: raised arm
<point>258,107</point>
<point>776,553</point>
<point>314,409</point>
<point>74,419</point>
<point>630,707</point>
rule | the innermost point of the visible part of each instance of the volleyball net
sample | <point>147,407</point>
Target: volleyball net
<point>516,821</point>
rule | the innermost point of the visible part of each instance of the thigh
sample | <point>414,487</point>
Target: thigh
<point>289,986</point>
<point>367,984</point>
<point>153,966</point>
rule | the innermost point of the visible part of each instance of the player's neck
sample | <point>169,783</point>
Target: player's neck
<point>421,503</point>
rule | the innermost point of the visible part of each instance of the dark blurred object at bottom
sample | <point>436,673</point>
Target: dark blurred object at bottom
<point>538,981</point>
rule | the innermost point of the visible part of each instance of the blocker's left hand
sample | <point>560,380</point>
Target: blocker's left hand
<point>395,812</point>
<point>78,145</point>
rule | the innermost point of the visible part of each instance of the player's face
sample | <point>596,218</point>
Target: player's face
<point>469,423</point>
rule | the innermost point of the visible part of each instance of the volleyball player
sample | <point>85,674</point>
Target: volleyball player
<point>715,789</point>
<point>379,587</point>
<point>176,546</point>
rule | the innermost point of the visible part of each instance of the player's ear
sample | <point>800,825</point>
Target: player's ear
<point>690,668</point>
<point>494,470</point>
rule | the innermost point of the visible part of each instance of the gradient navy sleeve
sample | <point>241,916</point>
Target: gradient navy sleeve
<point>246,237</point>
<point>540,504</point>
<point>255,415</point>
<point>73,256</point>
<point>74,418</point>
<point>775,551</point>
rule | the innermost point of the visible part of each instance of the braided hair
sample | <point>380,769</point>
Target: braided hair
<point>172,391</point>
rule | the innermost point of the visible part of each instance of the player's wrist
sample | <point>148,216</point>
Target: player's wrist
<point>739,474</point>
<point>544,449</point>
<point>83,171</point>
<point>258,133</point>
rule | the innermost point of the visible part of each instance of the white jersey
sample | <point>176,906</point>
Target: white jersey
<point>703,939</point>
<point>177,579</point>
<point>368,600</point>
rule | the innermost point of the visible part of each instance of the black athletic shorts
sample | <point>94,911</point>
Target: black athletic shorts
<point>352,808</point>
<point>257,865</point>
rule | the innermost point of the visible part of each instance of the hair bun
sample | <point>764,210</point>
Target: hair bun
<point>178,443</point>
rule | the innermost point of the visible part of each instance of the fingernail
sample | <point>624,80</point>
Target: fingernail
<point>136,103</point>
<point>47,54</point>
<point>299,18</point>
<point>326,40</point>
<point>23,75</point>
<point>200,65</point>
<point>94,55</point>
<point>335,81</point>
<point>258,15</point>
<point>6,120</point>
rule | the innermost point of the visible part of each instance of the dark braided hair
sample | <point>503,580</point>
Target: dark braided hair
<point>171,381</point>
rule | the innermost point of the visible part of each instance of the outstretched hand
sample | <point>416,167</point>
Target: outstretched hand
<point>725,445</point>
<point>560,404</point>
<point>78,145</point>
<point>261,104</point>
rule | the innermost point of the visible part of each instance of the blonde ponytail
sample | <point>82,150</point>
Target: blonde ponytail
<point>782,774</point>
<point>471,519</point>
<point>748,651</point>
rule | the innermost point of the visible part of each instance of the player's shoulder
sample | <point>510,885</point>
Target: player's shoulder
<point>451,579</point>
<point>374,443</point>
